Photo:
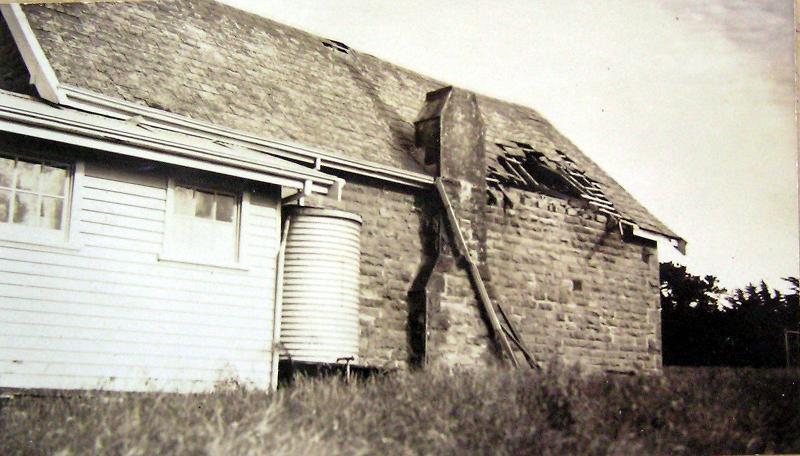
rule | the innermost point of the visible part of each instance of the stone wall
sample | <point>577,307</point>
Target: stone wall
<point>576,291</point>
<point>403,323</point>
<point>393,254</point>
<point>459,334</point>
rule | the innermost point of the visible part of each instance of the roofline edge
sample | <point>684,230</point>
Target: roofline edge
<point>42,74</point>
<point>23,121</point>
<point>87,100</point>
<point>678,243</point>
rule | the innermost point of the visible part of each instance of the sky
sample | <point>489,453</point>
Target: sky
<point>688,104</point>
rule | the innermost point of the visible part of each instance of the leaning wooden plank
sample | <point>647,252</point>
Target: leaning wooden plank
<point>517,339</point>
<point>528,357</point>
<point>476,276</point>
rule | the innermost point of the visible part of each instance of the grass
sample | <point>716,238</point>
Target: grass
<point>685,411</point>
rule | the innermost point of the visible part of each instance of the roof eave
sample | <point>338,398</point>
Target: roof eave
<point>20,114</point>
<point>42,75</point>
<point>643,233</point>
<point>94,102</point>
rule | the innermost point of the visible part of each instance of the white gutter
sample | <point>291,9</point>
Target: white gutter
<point>21,115</point>
<point>94,102</point>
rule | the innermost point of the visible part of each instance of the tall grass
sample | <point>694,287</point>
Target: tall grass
<point>686,411</point>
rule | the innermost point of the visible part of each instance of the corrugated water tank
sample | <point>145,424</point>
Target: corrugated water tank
<point>319,314</point>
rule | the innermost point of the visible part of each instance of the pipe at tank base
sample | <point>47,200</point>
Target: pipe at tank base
<point>276,317</point>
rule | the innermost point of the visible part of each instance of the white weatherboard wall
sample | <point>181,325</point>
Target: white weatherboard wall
<point>110,315</point>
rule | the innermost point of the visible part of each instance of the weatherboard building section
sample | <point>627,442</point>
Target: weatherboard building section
<point>150,151</point>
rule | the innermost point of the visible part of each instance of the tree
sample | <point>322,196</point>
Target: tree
<point>690,310</point>
<point>756,321</point>
<point>701,326</point>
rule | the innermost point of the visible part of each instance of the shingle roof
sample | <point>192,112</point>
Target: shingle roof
<point>14,76</point>
<point>215,63</point>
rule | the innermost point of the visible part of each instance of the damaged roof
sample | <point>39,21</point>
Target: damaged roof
<point>218,64</point>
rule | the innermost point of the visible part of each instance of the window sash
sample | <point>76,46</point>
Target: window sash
<point>204,240</point>
<point>41,194</point>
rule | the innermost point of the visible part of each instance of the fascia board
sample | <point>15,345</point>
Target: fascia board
<point>139,152</point>
<point>153,141</point>
<point>28,122</point>
<point>42,75</point>
<point>101,104</point>
<point>643,233</point>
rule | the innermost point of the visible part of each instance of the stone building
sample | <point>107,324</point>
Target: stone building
<point>115,117</point>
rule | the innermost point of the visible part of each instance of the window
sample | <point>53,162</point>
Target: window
<point>202,224</point>
<point>34,199</point>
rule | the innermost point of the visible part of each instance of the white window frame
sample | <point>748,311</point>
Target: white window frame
<point>171,253</point>
<point>66,238</point>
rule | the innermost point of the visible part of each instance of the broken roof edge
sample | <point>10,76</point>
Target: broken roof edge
<point>677,243</point>
<point>572,151</point>
<point>24,115</point>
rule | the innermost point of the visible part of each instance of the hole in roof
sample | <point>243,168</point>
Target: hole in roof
<point>528,169</point>
<point>337,46</point>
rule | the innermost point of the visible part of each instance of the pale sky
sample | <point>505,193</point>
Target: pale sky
<point>688,104</point>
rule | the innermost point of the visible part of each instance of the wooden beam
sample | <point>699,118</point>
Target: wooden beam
<point>42,75</point>
<point>526,176</point>
<point>483,295</point>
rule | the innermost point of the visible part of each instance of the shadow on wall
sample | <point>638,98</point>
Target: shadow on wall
<point>430,239</point>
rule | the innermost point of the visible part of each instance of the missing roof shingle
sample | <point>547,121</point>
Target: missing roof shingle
<point>336,45</point>
<point>524,167</point>
<point>523,146</point>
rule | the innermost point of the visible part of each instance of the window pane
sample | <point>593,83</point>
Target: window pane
<point>225,208</point>
<point>184,201</point>
<point>53,180</point>
<point>28,175</point>
<point>51,212</point>
<point>25,210</point>
<point>204,204</point>
<point>5,205</point>
<point>6,172</point>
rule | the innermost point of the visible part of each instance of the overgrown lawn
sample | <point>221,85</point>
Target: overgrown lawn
<point>685,411</point>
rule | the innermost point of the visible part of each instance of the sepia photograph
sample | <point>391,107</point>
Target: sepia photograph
<point>316,227</point>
